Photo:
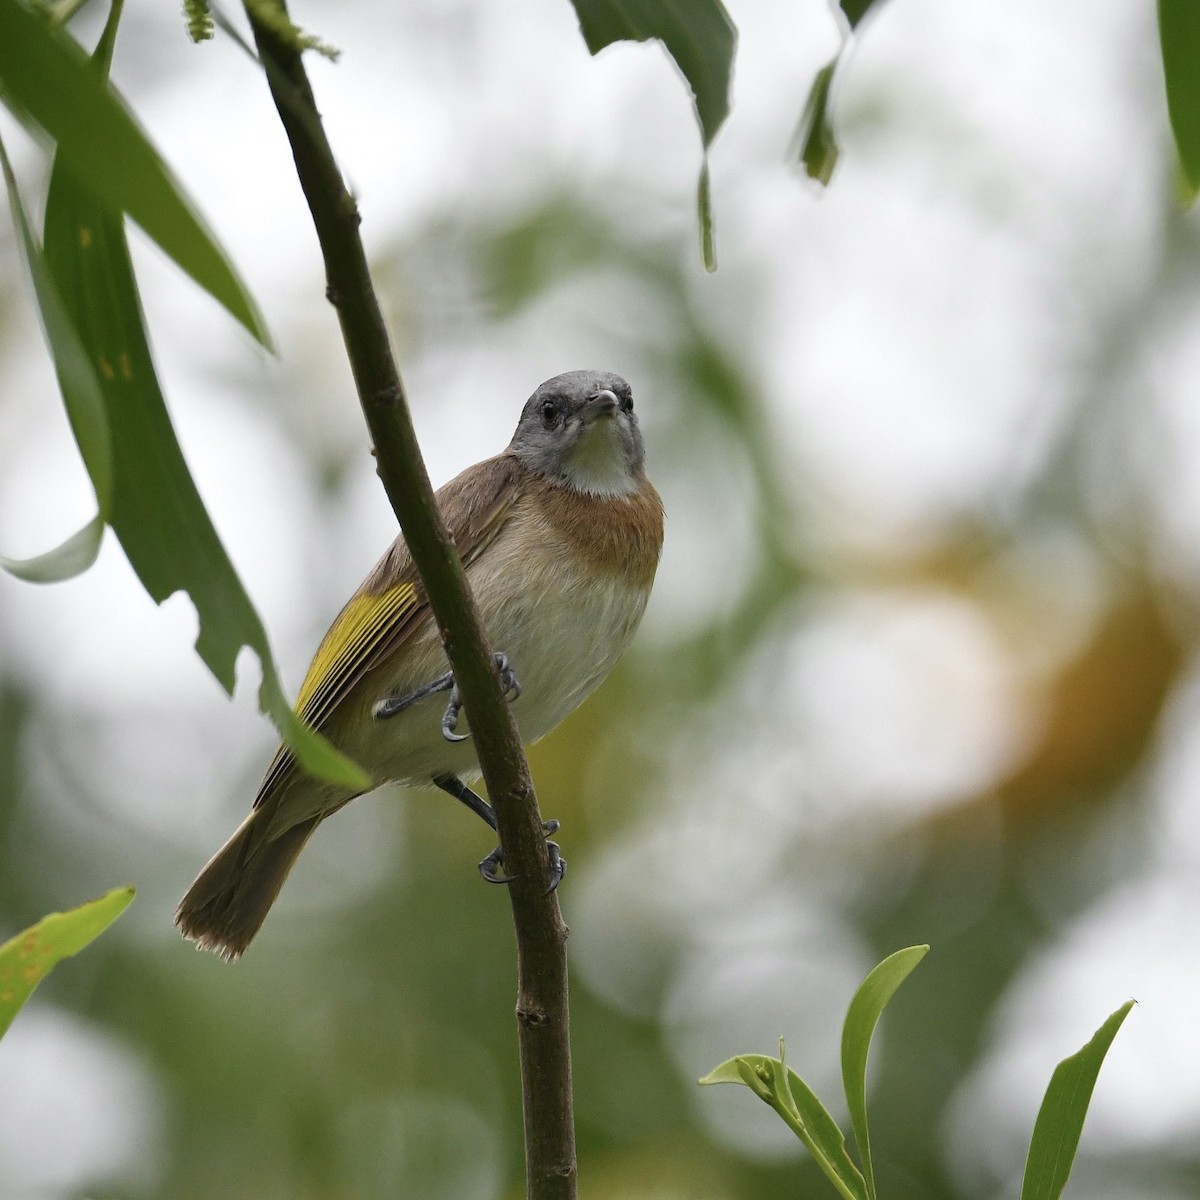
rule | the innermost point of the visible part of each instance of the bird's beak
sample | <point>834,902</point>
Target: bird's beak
<point>600,404</point>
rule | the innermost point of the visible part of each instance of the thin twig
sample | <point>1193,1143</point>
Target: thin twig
<point>542,1014</point>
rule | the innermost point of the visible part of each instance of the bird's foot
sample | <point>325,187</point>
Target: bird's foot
<point>492,867</point>
<point>508,683</point>
<point>392,706</point>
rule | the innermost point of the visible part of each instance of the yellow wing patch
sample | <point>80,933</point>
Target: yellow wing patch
<point>353,637</point>
<point>357,633</point>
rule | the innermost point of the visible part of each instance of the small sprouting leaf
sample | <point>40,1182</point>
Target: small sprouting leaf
<point>45,77</point>
<point>727,1072</point>
<point>779,1086</point>
<point>861,1018</point>
<point>271,14</point>
<point>199,20</point>
<point>26,959</point>
<point>1179,33</point>
<point>1060,1119</point>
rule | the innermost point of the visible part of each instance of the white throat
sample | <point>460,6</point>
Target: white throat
<point>597,464</point>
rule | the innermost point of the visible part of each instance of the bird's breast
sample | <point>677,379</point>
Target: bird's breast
<point>561,590</point>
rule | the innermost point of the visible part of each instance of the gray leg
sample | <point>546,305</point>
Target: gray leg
<point>491,868</point>
<point>392,706</point>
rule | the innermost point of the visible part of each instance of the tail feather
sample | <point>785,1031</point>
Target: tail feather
<point>231,897</point>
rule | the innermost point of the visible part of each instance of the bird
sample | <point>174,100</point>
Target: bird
<point>560,536</point>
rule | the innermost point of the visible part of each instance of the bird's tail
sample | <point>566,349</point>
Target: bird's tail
<point>231,897</point>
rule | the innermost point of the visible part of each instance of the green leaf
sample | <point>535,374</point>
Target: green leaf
<point>855,10</point>
<point>65,561</point>
<point>861,1018</point>
<point>1060,1119</point>
<point>1179,32</point>
<point>779,1086</point>
<point>46,79</point>
<point>129,447</point>
<point>728,1072</point>
<point>708,248</point>
<point>84,403</point>
<point>26,959</point>
<point>815,139</point>
<point>698,35</point>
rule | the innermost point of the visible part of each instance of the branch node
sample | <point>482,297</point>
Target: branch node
<point>533,1016</point>
<point>348,210</point>
<point>388,397</point>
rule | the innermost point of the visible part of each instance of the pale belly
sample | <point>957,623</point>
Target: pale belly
<point>563,633</point>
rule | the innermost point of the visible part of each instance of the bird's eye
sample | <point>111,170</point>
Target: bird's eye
<point>549,413</point>
<point>626,403</point>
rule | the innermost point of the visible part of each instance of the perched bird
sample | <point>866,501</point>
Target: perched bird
<point>560,536</point>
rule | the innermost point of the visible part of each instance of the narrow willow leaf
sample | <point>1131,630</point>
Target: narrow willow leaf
<point>698,35</point>
<point>26,959</point>
<point>708,248</point>
<point>817,147</point>
<point>1060,1119</point>
<point>156,510</point>
<point>1179,32</point>
<point>701,38</point>
<point>861,1018</point>
<point>83,400</point>
<point>65,561</point>
<point>46,79</point>
<point>779,1086</point>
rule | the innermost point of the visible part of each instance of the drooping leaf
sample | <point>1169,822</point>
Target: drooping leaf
<point>1179,33</point>
<point>46,79</point>
<point>146,490</point>
<point>1060,1119</point>
<point>26,959</point>
<point>700,36</point>
<point>779,1086</point>
<point>861,1018</point>
<point>84,403</point>
<point>817,143</point>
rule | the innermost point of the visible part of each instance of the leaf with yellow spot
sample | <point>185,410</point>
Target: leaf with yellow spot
<point>26,959</point>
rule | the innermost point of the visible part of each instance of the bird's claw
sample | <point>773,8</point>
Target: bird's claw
<point>450,718</point>
<point>508,683</point>
<point>491,868</point>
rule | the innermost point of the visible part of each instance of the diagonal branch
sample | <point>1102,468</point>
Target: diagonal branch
<point>542,1014</point>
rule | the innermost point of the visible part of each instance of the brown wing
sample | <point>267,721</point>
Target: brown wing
<point>391,606</point>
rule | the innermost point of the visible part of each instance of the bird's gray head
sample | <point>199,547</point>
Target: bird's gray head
<point>578,430</point>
